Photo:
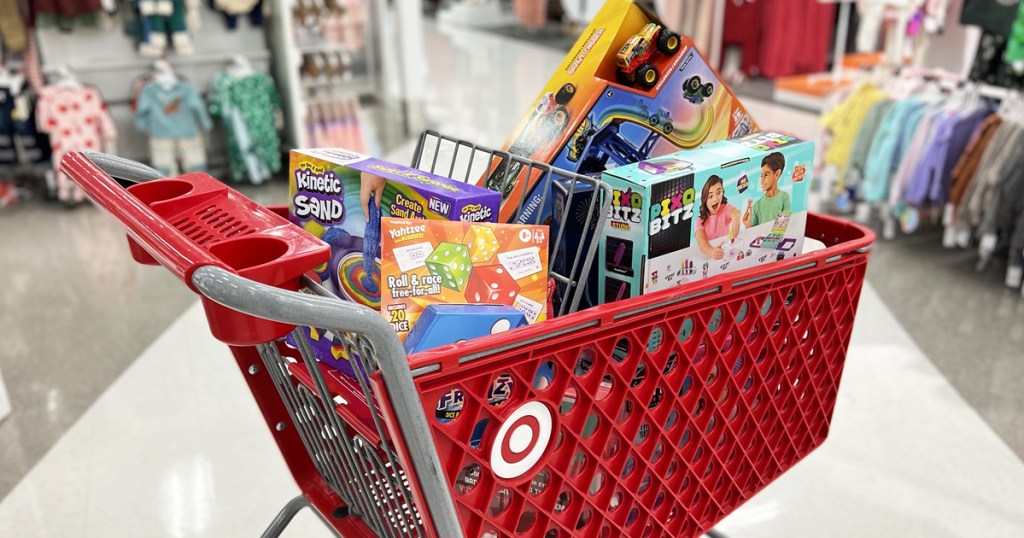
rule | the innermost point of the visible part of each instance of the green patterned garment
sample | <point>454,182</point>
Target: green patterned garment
<point>247,106</point>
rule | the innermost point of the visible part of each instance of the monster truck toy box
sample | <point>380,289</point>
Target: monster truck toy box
<point>630,89</point>
<point>325,200</point>
<point>698,213</point>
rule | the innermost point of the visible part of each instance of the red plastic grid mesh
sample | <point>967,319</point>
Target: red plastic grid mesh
<point>663,425</point>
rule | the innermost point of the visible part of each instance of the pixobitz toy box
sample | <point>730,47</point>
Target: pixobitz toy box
<point>694,214</point>
<point>630,89</point>
<point>434,262</point>
<point>325,200</point>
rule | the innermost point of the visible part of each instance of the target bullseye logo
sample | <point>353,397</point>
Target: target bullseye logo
<point>522,440</point>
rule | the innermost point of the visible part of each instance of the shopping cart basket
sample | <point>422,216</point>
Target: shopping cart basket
<point>654,416</point>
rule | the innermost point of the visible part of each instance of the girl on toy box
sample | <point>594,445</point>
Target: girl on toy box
<point>716,218</point>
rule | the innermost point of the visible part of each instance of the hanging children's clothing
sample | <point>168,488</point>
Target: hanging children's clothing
<point>890,142</point>
<point>12,27</point>
<point>1015,48</point>
<point>65,14</point>
<point>990,65</point>
<point>247,105</point>
<point>966,167</point>
<point>20,140</point>
<point>994,16</point>
<point>232,10</point>
<point>982,188</point>
<point>76,119</point>
<point>162,18</point>
<point>1000,217</point>
<point>951,133</point>
<point>844,122</point>
<point>533,14</point>
<point>862,144</point>
<point>691,18</point>
<point>174,116</point>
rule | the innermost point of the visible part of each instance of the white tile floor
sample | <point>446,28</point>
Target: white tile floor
<point>176,447</point>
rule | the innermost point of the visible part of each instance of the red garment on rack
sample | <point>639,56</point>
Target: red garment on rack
<point>798,38</point>
<point>532,14</point>
<point>779,38</point>
<point>66,8</point>
<point>742,29</point>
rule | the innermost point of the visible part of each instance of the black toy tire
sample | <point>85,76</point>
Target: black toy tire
<point>565,94</point>
<point>708,89</point>
<point>692,84</point>
<point>623,78</point>
<point>653,120</point>
<point>668,42</point>
<point>646,75</point>
<point>668,128</point>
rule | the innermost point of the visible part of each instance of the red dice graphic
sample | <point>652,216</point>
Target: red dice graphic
<point>491,284</point>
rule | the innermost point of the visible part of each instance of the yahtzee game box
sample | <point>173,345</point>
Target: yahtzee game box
<point>437,262</point>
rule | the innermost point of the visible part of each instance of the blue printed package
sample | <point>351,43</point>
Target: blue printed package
<point>577,238</point>
<point>694,214</point>
<point>443,324</point>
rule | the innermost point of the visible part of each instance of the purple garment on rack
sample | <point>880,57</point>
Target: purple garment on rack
<point>930,181</point>
<point>931,160</point>
<point>958,140</point>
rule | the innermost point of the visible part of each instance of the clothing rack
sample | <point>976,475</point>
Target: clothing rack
<point>916,147</point>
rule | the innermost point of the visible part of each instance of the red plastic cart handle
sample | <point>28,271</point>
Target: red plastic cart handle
<point>193,220</point>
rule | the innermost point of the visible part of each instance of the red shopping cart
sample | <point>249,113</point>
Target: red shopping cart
<point>654,416</point>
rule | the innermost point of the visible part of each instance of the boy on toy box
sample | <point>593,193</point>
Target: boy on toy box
<point>717,218</point>
<point>774,200</point>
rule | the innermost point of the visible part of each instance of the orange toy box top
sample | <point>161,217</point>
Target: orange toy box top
<point>426,262</point>
<point>629,90</point>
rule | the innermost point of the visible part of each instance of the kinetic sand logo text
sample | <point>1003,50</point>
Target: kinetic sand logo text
<point>415,176</point>
<point>315,180</point>
<point>672,210</point>
<point>475,213</point>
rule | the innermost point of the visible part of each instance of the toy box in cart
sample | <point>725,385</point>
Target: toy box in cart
<point>630,89</point>
<point>693,214</point>
<point>434,262</point>
<point>325,200</point>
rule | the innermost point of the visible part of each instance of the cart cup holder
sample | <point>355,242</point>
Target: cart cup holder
<point>239,235</point>
<point>194,220</point>
<point>161,191</point>
<point>249,251</point>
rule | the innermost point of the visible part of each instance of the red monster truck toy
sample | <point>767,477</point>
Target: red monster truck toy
<point>634,65</point>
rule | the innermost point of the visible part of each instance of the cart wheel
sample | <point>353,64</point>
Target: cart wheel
<point>668,128</point>
<point>647,75</point>
<point>692,84</point>
<point>565,94</point>
<point>668,42</point>
<point>708,89</point>
<point>653,120</point>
